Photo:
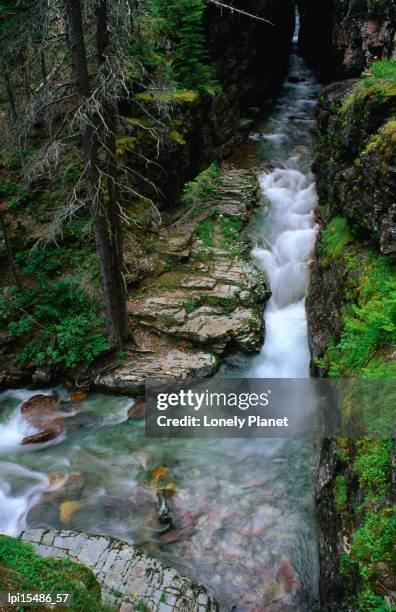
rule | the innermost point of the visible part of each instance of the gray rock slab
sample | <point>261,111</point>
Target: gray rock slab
<point>130,377</point>
<point>127,577</point>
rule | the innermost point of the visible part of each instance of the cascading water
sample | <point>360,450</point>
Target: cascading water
<point>245,508</point>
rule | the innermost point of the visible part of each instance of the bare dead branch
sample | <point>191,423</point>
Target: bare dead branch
<point>240,11</point>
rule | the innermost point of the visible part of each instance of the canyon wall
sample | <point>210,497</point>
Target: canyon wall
<point>250,60</point>
<point>350,307</point>
<point>342,37</point>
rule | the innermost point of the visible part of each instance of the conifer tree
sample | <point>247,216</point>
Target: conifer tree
<point>184,22</point>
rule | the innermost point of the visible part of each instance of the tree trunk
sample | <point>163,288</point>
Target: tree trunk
<point>102,217</point>
<point>109,114</point>
<point>10,256</point>
<point>10,99</point>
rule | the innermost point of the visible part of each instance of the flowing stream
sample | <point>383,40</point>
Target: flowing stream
<point>245,513</point>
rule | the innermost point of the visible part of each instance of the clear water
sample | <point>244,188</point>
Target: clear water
<point>243,508</point>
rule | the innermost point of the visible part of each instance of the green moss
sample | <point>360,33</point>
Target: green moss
<point>21,569</point>
<point>340,492</point>
<point>187,96</point>
<point>372,465</point>
<point>378,80</point>
<point>384,142</point>
<point>369,322</point>
<point>125,143</point>
<point>342,450</point>
<point>334,239</point>
<point>177,137</point>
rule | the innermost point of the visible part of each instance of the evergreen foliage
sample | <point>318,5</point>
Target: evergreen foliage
<point>183,22</point>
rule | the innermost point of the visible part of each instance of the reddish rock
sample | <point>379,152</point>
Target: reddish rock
<point>42,436</point>
<point>41,412</point>
<point>77,396</point>
<point>286,576</point>
<point>174,535</point>
<point>137,410</point>
<point>39,409</point>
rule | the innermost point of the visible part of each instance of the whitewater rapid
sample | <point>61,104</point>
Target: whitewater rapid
<point>291,197</point>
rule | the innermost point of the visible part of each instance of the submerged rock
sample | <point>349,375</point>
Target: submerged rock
<point>67,509</point>
<point>137,410</point>
<point>42,436</point>
<point>41,412</point>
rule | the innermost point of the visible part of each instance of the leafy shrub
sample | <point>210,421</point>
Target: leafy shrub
<point>365,350</point>
<point>205,232</point>
<point>54,321</point>
<point>334,238</point>
<point>230,228</point>
<point>372,465</point>
<point>13,193</point>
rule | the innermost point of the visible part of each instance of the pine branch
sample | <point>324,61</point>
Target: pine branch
<point>235,10</point>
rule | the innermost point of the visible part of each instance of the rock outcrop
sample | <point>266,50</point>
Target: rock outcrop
<point>355,168</point>
<point>207,297</point>
<point>356,158</point>
<point>129,580</point>
<point>250,56</point>
<point>343,37</point>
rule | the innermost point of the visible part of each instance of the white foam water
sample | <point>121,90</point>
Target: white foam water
<point>292,197</point>
<point>17,498</point>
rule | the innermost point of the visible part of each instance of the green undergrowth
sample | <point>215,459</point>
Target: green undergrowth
<point>365,352</point>
<point>222,232</point>
<point>182,22</point>
<point>21,569</point>
<point>384,142</point>
<point>379,79</point>
<point>368,340</point>
<point>52,320</point>
<point>199,190</point>
<point>373,540</point>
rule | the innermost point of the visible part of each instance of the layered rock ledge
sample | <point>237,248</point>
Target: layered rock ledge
<point>200,297</point>
<point>129,580</point>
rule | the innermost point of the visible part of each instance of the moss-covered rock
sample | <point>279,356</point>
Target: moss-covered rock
<point>352,329</point>
<point>356,153</point>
